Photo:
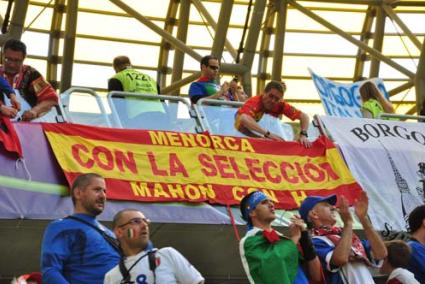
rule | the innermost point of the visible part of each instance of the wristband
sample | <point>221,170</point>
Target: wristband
<point>304,133</point>
<point>307,246</point>
<point>267,134</point>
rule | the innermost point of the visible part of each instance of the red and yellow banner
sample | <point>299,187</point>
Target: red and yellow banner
<point>161,166</point>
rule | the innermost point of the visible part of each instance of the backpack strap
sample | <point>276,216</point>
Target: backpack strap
<point>126,278</point>
<point>109,239</point>
<point>152,263</point>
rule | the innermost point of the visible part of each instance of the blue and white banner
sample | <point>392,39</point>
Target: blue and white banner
<point>387,159</point>
<point>342,99</point>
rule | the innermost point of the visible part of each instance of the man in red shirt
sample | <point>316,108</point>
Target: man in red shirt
<point>36,91</point>
<point>270,102</point>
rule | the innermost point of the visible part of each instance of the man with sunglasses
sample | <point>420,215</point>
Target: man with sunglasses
<point>78,249</point>
<point>207,85</point>
<point>33,88</point>
<point>270,102</point>
<point>142,263</point>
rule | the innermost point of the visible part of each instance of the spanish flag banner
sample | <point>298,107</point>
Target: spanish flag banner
<point>161,166</point>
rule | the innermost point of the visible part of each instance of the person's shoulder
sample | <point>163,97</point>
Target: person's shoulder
<point>113,275</point>
<point>167,250</point>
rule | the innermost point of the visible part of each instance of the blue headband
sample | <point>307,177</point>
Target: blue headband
<point>253,201</point>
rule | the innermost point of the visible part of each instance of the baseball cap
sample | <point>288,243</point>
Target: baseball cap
<point>311,201</point>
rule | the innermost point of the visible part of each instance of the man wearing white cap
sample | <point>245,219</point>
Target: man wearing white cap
<point>345,258</point>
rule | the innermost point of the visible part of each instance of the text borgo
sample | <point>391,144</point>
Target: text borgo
<point>379,130</point>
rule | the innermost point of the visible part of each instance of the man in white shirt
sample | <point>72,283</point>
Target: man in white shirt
<point>143,264</point>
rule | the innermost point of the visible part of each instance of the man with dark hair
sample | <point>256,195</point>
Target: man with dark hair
<point>141,262</point>
<point>345,258</point>
<point>78,249</point>
<point>417,243</point>
<point>33,88</point>
<point>396,262</point>
<point>207,85</point>
<point>267,255</point>
<point>270,102</point>
<point>139,113</point>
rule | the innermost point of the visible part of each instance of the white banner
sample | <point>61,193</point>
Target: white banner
<point>342,100</point>
<point>387,159</point>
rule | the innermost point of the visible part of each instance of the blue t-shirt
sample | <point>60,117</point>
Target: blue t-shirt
<point>417,261</point>
<point>5,88</point>
<point>323,249</point>
<point>73,252</point>
<point>202,88</point>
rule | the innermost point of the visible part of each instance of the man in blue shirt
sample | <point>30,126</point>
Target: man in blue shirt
<point>417,243</point>
<point>207,85</point>
<point>78,249</point>
<point>345,258</point>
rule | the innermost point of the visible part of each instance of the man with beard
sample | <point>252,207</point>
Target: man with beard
<point>78,249</point>
<point>141,262</point>
<point>270,102</point>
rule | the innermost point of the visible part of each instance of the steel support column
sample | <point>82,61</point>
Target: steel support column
<point>390,12</point>
<point>251,41</point>
<point>264,53</point>
<point>420,80</point>
<point>351,39</point>
<point>378,39</point>
<point>69,44</point>
<point>281,8</point>
<point>210,20</point>
<point>164,50</point>
<point>222,27</point>
<point>181,35</point>
<point>364,37</point>
<point>16,25</point>
<point>54,39</point>
<point>178,44</point>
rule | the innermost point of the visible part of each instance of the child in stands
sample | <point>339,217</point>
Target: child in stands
<point>396,262</point>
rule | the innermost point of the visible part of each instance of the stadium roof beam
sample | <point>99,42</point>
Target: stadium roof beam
<point>165,46</point>
<point>390,12</point>
<point>178,44</point>
<point>182,27</point>
<point>210,20</point>
<point>264,53</point>
<point>279,42</point>
<point>251,42</point>
<point>222,26</point>
<point>401,88</point>
<point>54,42</point>
<point>378,39</point>
<point>420,79</point>
<point>351,39</point>
<point>16,25</point>
<point>69,44</point>
<point>364,37</point>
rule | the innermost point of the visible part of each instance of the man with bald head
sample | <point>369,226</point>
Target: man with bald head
<point>141,263</point>
<point>136,113</point>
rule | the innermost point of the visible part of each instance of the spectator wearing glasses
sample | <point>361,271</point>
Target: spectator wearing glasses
<point>78,249</point>
<point>207,85</point>
<point>140,262</point>
<point>270,102</point>
<point>33,88</point>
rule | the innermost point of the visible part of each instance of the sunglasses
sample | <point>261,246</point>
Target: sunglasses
<point>214,67</point>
